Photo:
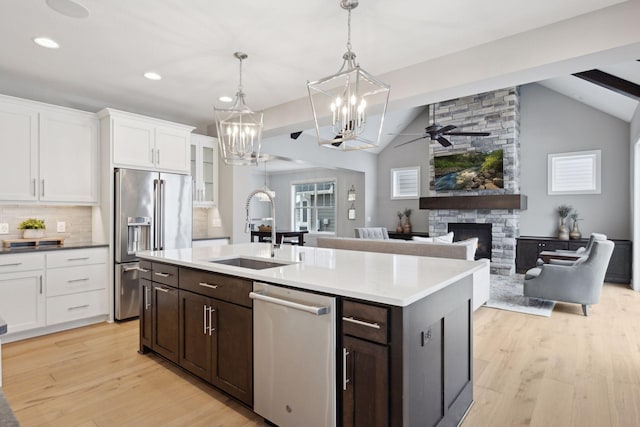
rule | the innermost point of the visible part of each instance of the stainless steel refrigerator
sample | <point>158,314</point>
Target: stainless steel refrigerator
<point>153,211</point>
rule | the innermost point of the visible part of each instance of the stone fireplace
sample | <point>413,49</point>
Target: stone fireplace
<point>498,113</point>
<point>462,231</point>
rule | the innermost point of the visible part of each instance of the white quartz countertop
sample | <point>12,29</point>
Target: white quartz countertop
<point>385,278</point>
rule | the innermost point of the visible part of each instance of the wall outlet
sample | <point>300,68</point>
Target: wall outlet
<point>4,228</point>
<point>62,227</point>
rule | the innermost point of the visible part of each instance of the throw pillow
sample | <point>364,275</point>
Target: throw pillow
<point>423,239</point>
<point>471,245</point>
<point>447,238</point>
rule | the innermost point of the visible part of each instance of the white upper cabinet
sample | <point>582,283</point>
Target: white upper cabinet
<point>146,143</point>
<point>204,170</point>
<point>68,157</point>
<point>19,148</point>
<point>50,154</point>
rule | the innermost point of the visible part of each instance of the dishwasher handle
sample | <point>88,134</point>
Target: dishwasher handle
<point>318,311</point>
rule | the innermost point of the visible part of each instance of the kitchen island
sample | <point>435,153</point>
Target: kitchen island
<point>403,336</point>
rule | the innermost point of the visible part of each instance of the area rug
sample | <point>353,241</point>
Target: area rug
<point>506,294</point>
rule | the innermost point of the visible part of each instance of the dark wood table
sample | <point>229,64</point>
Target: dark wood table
<point>265,236</point>
<point>547,256</point>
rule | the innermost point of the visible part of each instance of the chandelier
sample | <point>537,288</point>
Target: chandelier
<point>342,103</point>
<point>239,129</point>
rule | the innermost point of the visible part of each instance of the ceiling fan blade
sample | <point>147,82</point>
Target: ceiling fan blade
<point>406,134</point>
<point>447,128</point>
<point>469,133</point>
<point>444,141</point>
<point>409,142</point>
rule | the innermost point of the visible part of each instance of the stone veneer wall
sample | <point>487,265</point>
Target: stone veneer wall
<point>496,112</point>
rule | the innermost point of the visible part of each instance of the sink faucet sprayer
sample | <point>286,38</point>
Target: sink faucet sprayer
<point>274,245</point>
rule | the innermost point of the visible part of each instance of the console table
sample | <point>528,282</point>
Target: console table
<point>265,236</point>
<point>528,250</point>
<point>408,236</point>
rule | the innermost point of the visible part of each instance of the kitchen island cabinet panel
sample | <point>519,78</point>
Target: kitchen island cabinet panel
<point>165,314</point>
<point>365,386</point>
<point>195,336</point>
<point>233,352</point>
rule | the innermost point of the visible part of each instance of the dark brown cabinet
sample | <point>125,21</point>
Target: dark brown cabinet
<point>528,251</point>
<point>216,343</point>
<point>159,310</point>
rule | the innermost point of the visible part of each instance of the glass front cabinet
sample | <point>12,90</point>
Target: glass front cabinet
<point>204,170</point>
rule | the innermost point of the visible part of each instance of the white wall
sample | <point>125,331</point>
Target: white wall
<point>635,193</point>
<point>414,154</point>
<point>553,123</point>
<point>281,184</point>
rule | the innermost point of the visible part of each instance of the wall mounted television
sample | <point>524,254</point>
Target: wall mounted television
<point>469,171</point>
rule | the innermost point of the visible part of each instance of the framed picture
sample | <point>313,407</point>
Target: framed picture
<point>352,213</point>
<point>351,194</point>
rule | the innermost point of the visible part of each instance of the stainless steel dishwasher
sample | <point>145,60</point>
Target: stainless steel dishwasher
<point>294,356</point>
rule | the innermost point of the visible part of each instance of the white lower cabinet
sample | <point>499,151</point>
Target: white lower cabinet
<point>22,300</point>
<point>45,292</point>
<point>76,285</point>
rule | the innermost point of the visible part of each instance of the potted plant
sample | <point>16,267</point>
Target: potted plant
<point>399,227</point>
<point>563,212</point>
<point>407,223</point>
<point>575,232</point>
<point>32,228</point>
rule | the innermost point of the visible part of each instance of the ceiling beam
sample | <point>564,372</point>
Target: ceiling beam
<point>611,82</point>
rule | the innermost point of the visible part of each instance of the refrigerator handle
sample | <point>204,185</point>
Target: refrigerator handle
<point>162,212</point>
<point>156,219</point>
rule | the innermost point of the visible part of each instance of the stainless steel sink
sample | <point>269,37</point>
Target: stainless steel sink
<point>254,264</point>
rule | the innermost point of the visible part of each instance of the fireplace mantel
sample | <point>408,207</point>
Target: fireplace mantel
<point>495,201</point>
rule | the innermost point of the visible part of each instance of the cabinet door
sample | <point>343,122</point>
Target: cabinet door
<point>196,317</point>
<point>22,301</point>
<point>165,312</point>
<point>209,173</point>
<point>365,396</point>
<point>172,149</point>
<point>146,301</point>
<point>68,157</point>
<point>19,148</point>
<point>133,143</point>
<point>233,344</point>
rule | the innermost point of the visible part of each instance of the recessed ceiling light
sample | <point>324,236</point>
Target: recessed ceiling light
<point>225,99</point>
<point>46,42</point>
<point>152,75</point>
<point>68,8</point>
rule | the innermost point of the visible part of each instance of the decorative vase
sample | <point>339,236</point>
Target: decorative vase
<point>399,227</point>
<point>575,232</point>
<point>30,233</point>
<point>563,230</point>
<point>407,226</point>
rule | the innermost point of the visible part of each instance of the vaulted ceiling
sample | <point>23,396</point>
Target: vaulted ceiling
<point>427,51</point>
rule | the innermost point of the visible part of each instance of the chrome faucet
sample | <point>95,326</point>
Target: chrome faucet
<point>274,244</point>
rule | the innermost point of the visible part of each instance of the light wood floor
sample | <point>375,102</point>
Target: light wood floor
<point>566,370</point>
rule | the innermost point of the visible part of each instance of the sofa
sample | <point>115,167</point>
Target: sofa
<point>464,249</point>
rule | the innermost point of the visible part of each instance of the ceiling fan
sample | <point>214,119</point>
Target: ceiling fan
<point>438,133</point>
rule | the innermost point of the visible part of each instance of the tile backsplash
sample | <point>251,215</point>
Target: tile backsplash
<point>77,220</point>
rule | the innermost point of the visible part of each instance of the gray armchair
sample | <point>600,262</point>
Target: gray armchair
<point>378,233</point>
<point>580,282</point>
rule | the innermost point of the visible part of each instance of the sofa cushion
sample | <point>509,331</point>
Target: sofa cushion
<point>422,239</point>
<point>446,238</point>
<point>471,244</point>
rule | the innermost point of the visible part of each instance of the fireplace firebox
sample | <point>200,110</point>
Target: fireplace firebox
<point>463,230</point>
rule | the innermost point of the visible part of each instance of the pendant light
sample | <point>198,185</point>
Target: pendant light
<point>342,102</point>
<point>239,129</point>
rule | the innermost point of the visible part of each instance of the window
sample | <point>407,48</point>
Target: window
<point>574,173</point>
<point>405,183</point>
<point>314,206</point>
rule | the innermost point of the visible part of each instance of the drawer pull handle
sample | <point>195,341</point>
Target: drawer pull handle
<point>78,307</point>
<point>78,259</point>
<point>165,290</point>
<point>206,285</point>
<point>361,323</point>
<point>162,274</point>
<point>78,280</point>
<point>10,265</point>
